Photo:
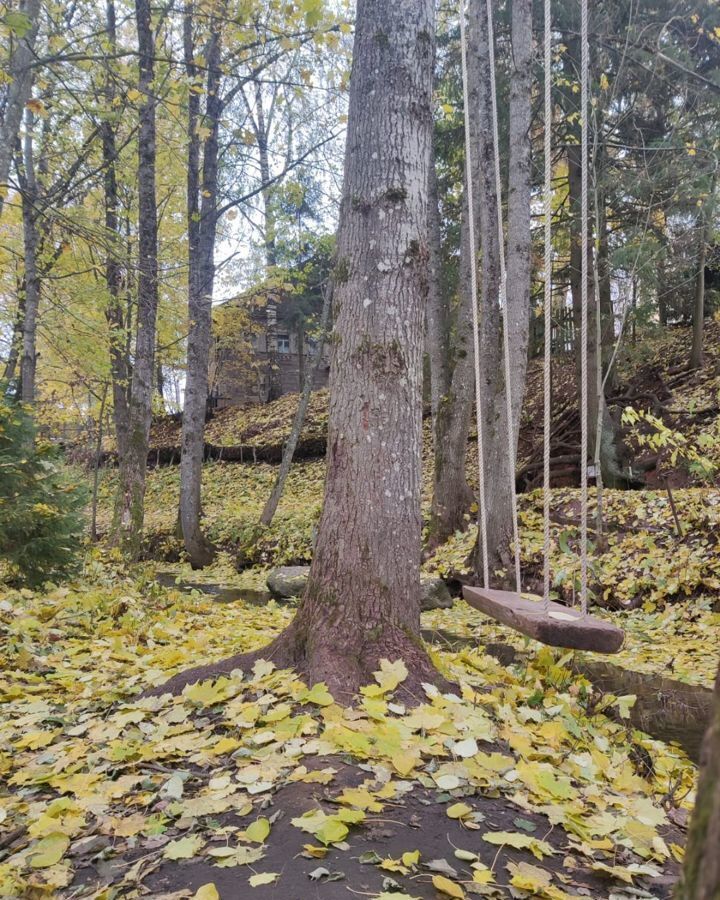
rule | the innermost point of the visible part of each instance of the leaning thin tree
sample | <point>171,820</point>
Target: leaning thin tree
<point>362,600</point>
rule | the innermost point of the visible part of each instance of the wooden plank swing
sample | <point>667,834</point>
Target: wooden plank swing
<point>542,619</point>
<point>560,626</point>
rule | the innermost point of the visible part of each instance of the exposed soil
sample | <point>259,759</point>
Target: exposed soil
<point>416,822</point>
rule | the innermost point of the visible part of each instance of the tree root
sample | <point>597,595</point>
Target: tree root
<point>321,661</point>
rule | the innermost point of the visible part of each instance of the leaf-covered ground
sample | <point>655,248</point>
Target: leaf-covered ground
<point>527,781</point>
<point>640,562</point>
<point>260,786</point>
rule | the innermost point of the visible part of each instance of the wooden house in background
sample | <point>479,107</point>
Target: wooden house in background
<point>273,362</point>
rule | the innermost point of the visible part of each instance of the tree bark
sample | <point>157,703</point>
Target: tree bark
<point>20,74</point>
<point>452,495</point>
<point>31,245</point>
<point>362,599</point>
<point>599,421</point>
<point>119,363</point>
<point>519,238</point>
<point>437,316</point>
<point>262,137</point>
<point>202,226</point>
<point>696,351</point>
<point>700,878</point>
<point>16,341</point>
<point>273,500</point>
<point>129,509</point>
<point>498,512</point>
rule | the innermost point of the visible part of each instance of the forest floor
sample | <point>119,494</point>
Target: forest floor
<point>532,780</point>
<point>264,787</point>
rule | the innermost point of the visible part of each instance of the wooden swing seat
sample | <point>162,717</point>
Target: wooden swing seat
<point>561,627</point>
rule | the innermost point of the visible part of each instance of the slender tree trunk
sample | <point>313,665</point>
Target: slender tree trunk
<point>696,351</point>
<point>498,513</point>
<point>28,356</point>
<point>31,245</point>
<point>361,604</point>
<point>20,85</point>
<point>16,341</point>
<point>701,873</point>
<point>159,378</point>
<point>437,316</point>
<point>119,368</point>
<point>96,465</point>
<point>607,310</point>
<point>662,289</point>
<point>262,137</point>
<point>519,239</point>
<point>599,421</point>
<point>273,500</point>
<point>300,337</point>
<point>452,495</point>
<point>129,512</point>
<point>202,224</point>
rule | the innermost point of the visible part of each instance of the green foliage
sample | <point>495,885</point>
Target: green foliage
<point>40,507</point>
<point>658,436</point>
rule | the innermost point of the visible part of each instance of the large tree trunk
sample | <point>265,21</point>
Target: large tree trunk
<point>20,85</point>
<point>696,351</point>
<point>31,246</point>
<point>362,599</point>
<point>519,239</point>
<point>202,222</point>
<point>701,873</point>
<point>129,510</point>
<point>119,365</point>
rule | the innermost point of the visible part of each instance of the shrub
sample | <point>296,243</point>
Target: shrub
<point>41,523</point>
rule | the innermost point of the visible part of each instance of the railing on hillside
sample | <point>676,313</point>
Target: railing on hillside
<point>563,333</point>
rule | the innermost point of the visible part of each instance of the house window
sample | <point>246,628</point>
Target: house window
<point>283,343</point>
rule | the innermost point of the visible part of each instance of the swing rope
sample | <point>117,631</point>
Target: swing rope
<point>482,509</point>
<point>547,301</point>
<point>584,79</point>
<point>547,304</point>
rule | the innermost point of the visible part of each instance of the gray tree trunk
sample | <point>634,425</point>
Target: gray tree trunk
<point>362,599</point>
<point>519,242</point>
<point>202,225</point>
<point>262,136</point>
<point>273,500</point>
<point>498,513</point>
<point>696,351</point>
<point>452,495</point>
<point>129,509</point>
<point>119,363</point>
<point>20,73</point>
<point>31,245</point>
<point>437,316</point>
<point>604,427</point>
<point>16,341</point>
